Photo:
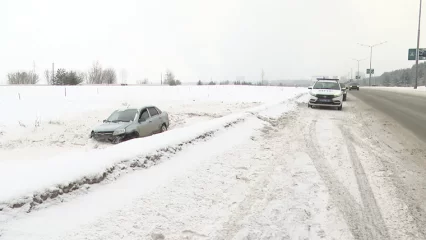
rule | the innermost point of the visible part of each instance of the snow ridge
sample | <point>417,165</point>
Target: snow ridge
<point>110,174</point>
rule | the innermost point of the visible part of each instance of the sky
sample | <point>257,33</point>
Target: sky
<point>204,40</point>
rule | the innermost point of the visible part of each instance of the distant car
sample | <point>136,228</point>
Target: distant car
<point>344,90</point>
<point>326,93</point>
<point>126,124</point>
<point>353,86</point>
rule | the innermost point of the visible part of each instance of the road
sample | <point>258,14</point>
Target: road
<point>408,110</point>
<point>308,174</point>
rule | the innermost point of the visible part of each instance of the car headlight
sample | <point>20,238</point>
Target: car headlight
<point>119,131</point>
<point>312,94</point>
<point>338,94</point>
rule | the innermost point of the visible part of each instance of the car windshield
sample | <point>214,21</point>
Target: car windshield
<point>127,115</point>
<point>327,85</point>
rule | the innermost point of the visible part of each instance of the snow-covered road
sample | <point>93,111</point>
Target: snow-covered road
<point>305,174</point>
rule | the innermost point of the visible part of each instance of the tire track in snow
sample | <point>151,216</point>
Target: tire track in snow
<point>417,214</point>
<point>351,210</point>
<point>414,209</point>
<point>371,209</point>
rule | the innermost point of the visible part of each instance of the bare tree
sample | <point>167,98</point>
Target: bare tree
<point>22,78</point>
<point>94,76</point>
<point>109,76</point>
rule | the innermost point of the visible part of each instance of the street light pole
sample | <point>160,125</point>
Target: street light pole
<point>359,60</point>
<point>371,55</point>
<point>418,42</point>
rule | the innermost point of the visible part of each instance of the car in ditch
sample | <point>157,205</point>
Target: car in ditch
<point>130,123</point>
<point>326,93</point>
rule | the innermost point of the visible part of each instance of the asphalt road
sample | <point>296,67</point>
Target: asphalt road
<point>408,110</point>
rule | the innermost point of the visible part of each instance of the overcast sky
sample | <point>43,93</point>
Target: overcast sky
<point>200,39</point>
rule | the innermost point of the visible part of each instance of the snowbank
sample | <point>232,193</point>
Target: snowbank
<point>23,182</point>
<point>420,91</point>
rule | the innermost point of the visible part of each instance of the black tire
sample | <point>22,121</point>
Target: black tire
<point>163,128</point>
<point>344,97</point>
<point>340,108</point>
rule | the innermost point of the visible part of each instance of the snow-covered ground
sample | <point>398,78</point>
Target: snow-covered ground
<point>420,91</point>
<point>43,159</point>
<point>41,122</point>
<point>274,171</point>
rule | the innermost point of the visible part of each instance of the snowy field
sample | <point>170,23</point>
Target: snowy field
<point>44,136</point>
<point>43,121</point>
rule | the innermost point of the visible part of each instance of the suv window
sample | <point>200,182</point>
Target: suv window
<point>144,115</point>
<point>152,111</point>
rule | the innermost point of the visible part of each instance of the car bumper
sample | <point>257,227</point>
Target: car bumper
<point>106,137</point>
<point>335,102</point>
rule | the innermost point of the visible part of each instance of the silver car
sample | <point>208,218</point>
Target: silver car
<point>131,123</point>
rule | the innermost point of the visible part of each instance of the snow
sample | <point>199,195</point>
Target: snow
<point>241,184</point>
<point>50,223</point>
<point>285,172</point>
<point>36,168</point>
<point>420,91</point>
<point>45,122</point>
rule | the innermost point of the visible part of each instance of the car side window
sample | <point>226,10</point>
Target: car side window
<point>158,110</point>
<point>144,115</point>
<point>152,111</point>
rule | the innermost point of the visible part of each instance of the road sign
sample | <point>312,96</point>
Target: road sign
<point>412,54</point>
<point>372,71</point>
<point>358,77</point>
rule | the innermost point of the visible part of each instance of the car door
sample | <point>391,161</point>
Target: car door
<point>143,123</point>
<point>155,122</point>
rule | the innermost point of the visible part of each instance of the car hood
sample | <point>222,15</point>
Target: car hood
<point>110,126</point>
<point>325,91</point>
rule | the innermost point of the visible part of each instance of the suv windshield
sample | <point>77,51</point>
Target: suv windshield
<point>327,85</point>
<point>127,115</point>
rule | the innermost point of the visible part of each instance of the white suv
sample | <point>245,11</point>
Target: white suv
<point>326,93</point>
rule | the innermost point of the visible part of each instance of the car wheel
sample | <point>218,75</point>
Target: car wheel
<point>340,108</point>
<point>163,128</point>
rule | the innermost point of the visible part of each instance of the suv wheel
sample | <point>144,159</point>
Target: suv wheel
<point>340,108</point>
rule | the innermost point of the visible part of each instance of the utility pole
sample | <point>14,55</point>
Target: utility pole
<point>161,81</point>
<point>371,55</point>
<point>263,76</point>
<point>351,75</point>
<point>418,42</point>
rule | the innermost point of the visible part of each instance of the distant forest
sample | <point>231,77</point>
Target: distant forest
<point>401,78</point>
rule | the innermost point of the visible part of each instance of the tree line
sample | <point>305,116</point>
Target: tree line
<point>95,75</point>
<point>399,78</point>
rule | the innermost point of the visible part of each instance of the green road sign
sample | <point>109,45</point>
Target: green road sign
<point>372,71</point>
<point>358,77</point>
<point>412,54</point>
